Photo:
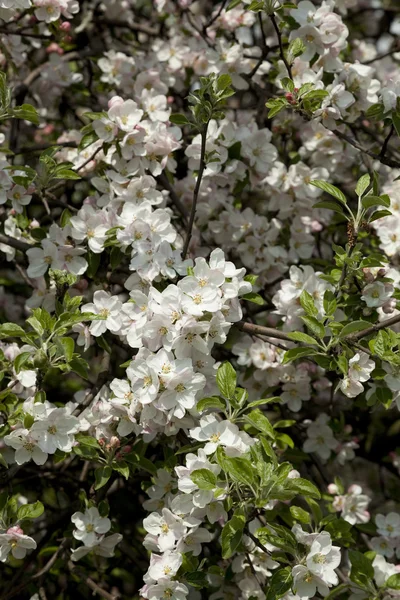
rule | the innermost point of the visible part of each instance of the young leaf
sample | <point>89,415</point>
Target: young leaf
<point>279,584</point>
<point>226,380</point>
<point>30,511</point>
<point>231,536</point>
<point>329,189</point>
<point>294,353</point>
<point>362,184</point>
<point>204,479</point>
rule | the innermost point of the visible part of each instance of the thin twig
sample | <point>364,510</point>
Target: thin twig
<point>196,190</point>
<point>281,50</point>
<point>92,584</point>
<point>256,540</point>
<point>384,55</point>
<point>215,17</point>
<point>386,142</point>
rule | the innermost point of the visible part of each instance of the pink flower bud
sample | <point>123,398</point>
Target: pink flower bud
<point>53,47</point>
<point>15,529</point>
<point>333,488</point>
<point>65,26</point>
<point>48,129</point>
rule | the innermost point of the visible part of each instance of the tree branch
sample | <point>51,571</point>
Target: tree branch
<point>377,327</point>
<point>196,190</point>
<point>14,243</point>
<point>260,329</point>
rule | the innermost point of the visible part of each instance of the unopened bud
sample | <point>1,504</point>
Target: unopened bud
<point>368,276</point>
<point>54,48</point>
<point>15,529</point>
<point>389,306</point>
<point>115,442</point>
<point>65,26</point>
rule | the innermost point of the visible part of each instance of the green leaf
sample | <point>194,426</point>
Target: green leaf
<point>26,112</point>
<point>36,325</point>
<point>68,346</point>
<point>260,422</point>
<point>316,95</point>
<point>375,112</point>
<point>303,487</point>
<point>87,440</point>
<point>315,326</point>
<point>353,327</point>
<point>379,214</point>
<point>231,535</point>
<point>299,514</point>
<point>294,353</point>
<point>233,4</point>
<point>102,475</point>
<point>30,511</point>
<point>226,380</point>
<point>329,189</point>
<point>253,297</point>
<point>93,263</point>
<point>279,584</point>
<point>79,366</point>
<point>102,342</point>
<point>241,470</point>
<point>396,123</point>
<point>330,204</point>
<point>330,303</point>
<point>264,401</point>
<point>299,336</point>
<point>204,479</point>
<point>256,6</point>
<point>287,84</point>
<point>369,201</point>
<point>11,330</point>
<point>122,468</point>
<point>393,582</point>
<point>88,139</point>
<point>307,303</point>
<point>197,579</point>
<point>20,360</point>
<point>362,571</point>
<point>178,119</point>
<point>362,184</point>
<point>223,82</point>
<point>296,48</point>
<point>211,402</point>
